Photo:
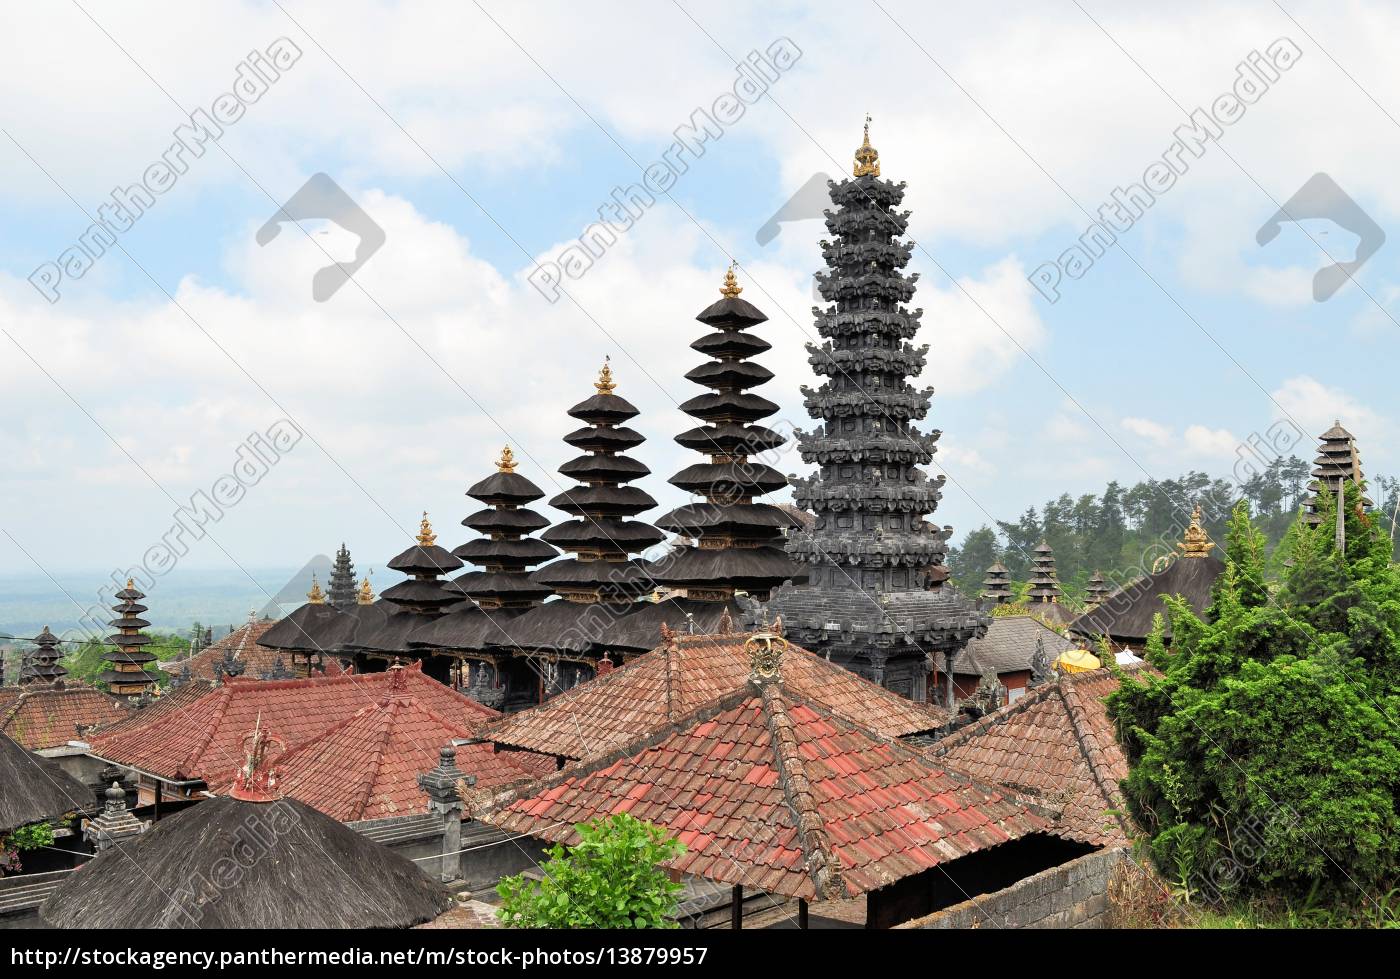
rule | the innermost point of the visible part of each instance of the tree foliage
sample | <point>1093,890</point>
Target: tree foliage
<point>611,878</point>
<point>1266,758</point>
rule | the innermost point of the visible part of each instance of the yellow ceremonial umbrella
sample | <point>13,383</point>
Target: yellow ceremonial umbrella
<point>1078,661</point>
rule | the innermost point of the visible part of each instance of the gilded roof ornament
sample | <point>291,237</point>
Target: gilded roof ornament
<point>1196,542</point>
<point>605,383</point>
<point>426,537</point>
<point>731,287</point>
<point>867,157</point>
<point>365,596</point>
<point>506,463</point>
<point>315,596</point>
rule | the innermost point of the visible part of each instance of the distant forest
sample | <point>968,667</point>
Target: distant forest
<point>1125,529</point>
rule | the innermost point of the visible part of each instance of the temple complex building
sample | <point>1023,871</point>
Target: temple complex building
<point>875,598</point>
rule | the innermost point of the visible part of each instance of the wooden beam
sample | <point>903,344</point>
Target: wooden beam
<point>736,908</point>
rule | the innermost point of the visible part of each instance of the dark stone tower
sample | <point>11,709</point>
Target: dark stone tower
<point>738,543</point>
<point>875,598</point>
<point>126,676</point>
<point>342,593</point>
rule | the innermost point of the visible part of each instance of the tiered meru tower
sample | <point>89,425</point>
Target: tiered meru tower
<point>1337,460</point>
<point>738,543</point>
<point>342,592</point>
<point>600,536</point>
<point>996,587</point>
<point>875,598</point>
<point>41,665</point>
<point>126,676</point>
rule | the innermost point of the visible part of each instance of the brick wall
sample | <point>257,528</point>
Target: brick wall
<point>1072,895</point>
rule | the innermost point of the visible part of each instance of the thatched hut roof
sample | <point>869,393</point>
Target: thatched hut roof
<point>35,789</point>
<point>231,863</point>
<point>1125,616</point>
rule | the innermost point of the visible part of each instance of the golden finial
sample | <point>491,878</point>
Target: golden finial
<point>130,584</point>
<point>867,157</point>
<point>506,463</point>
<point>731,287</point>
<point>605,383</point>
<point>315,596</point>
<point>366,593</point>
<point>1196,542</point>
<point>426,537</point>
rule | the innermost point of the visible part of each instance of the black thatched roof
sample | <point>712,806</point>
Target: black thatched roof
<point>312,628</point>
<point>469,629</point>
<point>1126,615</point>
<point>229,863</point>
<point>35,789</point>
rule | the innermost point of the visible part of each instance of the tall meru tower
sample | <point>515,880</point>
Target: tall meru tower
<point>875,599</point>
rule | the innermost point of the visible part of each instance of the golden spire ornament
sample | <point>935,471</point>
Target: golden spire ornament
<point>315,596</point>
<point>867,157</point>
<point>365,596</point>
<point>506,463</point>
<point>731,287</point>
<point>426,537</point>
<point>605,383</point>
<point>1196,542</point>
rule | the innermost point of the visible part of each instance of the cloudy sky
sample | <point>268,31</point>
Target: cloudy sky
<point>483,138</point>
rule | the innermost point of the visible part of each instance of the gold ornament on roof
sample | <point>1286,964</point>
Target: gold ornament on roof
<point>1196,542</point>
<point>605,383</point>
<point>867,157</point>
<point>506,463</point>
<point>365,596</point>
<point>426,537</point>
<point>315,596</point>
<point>765,648</point>
<point>731,287</point>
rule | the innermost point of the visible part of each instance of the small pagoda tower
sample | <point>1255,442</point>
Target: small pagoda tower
<point>996,587</point>
<point>425,563</point>
<point>1045,583</point>
<point>505,550</point>
<point>342,593</point>
<point>875,598</point>
<point>127,677</point>
<point>1337,461</point>
<point>600,536</point>
<point>1096,590</point>
<point>41,665</point>
<point>738,543</point>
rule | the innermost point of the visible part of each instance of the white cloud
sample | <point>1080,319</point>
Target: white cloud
<point>1315,406</point>
<point>1148,429</point>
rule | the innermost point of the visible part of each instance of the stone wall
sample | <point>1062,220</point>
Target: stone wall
<point>1072,895</point>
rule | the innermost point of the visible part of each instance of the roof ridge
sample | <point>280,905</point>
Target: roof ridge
<point>1086,737</point>
<point>225,692</point>
<point>821,861</point>
<point>673,684</point>
<point>1033,695</point>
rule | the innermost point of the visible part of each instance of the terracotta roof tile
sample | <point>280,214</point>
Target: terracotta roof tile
<point>872,811</point>
<point>44,716</point>
<point>1057,743</point>
<point>243,643</point>
<point>681,676</point>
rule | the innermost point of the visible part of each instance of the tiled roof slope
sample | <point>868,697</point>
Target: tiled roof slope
<point>49,716</point>
<point>367,765</point>
<point>682,675</point>
<point>1057,743</point>
<point>1008,646</point>
<point>205,739</point>
<point>771,790</point>
<point>243,643</point>
<point>173,699</point>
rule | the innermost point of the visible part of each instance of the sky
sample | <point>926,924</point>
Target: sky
<point>482,139</point>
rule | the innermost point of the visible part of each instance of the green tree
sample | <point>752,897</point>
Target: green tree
<point>611,878</point>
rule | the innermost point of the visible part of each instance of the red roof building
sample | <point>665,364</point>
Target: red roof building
<point>203,741</point>
<point>242,645</point>
<point>43,717</point>
<point>367,765</point>
<point>769,788</point>
<point>1056,744</point>
<point>680,676</point>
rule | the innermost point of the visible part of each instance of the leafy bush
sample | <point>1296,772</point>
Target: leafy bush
<point>609,879</point>
<point>1266,760</point>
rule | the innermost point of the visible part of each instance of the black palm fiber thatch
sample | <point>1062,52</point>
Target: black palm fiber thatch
<point>35,789</point>
<point>230,863</point>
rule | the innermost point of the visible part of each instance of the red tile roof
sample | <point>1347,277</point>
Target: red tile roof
<point>769,789</point>
<point>367,765</point>
<point>682,675</point>
<point>49,716</point>
<point>204,740</point>
<point>1057,743</point>
<point>243,643</point>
